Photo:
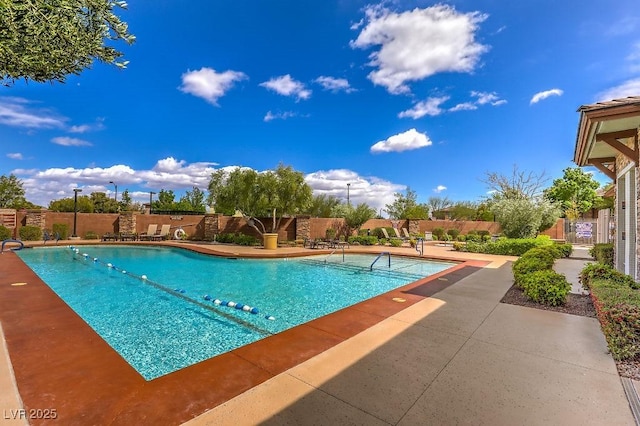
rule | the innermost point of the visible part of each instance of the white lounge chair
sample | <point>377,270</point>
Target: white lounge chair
<point>164,233</point>
<point>151,231</point>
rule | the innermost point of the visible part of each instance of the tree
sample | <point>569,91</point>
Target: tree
<point>11,192</point>
<point>46,41</point>
<point>356,217</point>
<point>125,203</point>
<point>520,184</point>
<point>165,201</point>
<point>407,207</point>
<point>85,205</point>
<point>322,205</point>
<point>274,193</point>
<point>103,204</point>
<point>524,217</point>
<point>464,210</point>
<point>437,205</point>
<point>575,192</point>
<point>193,201</point>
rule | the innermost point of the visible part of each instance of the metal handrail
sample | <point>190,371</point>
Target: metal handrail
<point>379,256</point>
<point>329,255</point>
<point>10,240</point>
<point>421,248</point>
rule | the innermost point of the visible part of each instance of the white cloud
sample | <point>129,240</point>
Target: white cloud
<point>84,128</point>
<point>334,84</point>
<point>286,86</point>
<point>544,95</point>
<point>429,107</point>
<point>409,140</point>
<point>438,189</point>
<point>15,156</point>
<point>627,88</point>
<point>419,43</point>
<point>488,98</point>
<point>371,190</point>
<point>465,106</point>
<point>208,84</point>
<point>279,115</point>
<point>18,112</point>
<point>67,141</point>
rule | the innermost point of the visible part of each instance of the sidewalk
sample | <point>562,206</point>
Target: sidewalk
<point>459,357</point>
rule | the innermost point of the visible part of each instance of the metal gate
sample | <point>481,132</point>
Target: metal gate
<point>582,231</point>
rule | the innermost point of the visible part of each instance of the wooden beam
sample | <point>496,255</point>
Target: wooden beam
<point>603,164</point>
<point>613,142</point>
<point>622,134</point>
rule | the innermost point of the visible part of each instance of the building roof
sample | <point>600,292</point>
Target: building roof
<point>605,130</point>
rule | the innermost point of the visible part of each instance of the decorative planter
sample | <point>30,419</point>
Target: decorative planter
<point>270,241</point>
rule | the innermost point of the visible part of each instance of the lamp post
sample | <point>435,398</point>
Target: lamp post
<point>116,185</point>
<point>150,200</point>
<point>75,210</point>
<point>348,202</point>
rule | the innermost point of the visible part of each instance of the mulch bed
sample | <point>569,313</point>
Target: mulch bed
<point>577,304</point>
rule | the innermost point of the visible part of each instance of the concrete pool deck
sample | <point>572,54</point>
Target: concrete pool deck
<point>450,353</point>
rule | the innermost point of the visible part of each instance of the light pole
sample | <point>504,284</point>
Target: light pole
<point>75,210</point>
<point>348,202</point>
<point>116,185</point>
<point>150,200</point>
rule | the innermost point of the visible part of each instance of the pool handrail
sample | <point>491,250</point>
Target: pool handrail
<point>379,256</point>
<point>421,248</point>
<point>11,240</point>
<point>329,255</point>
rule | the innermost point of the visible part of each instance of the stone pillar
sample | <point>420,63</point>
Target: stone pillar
<point>303,227</point>
<point>127,223</point>
<point>35,218</point>
<point>211,226</point>
<point>414,226</point>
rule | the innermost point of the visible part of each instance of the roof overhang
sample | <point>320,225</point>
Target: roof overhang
<point>606,130</point>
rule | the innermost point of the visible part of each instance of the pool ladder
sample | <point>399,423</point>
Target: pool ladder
<point>420,249</point>
<point>379,256</point>
<point>329,255</point>
<point>10,240</point>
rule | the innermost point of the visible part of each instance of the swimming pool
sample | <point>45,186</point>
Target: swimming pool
<point>155,306</point>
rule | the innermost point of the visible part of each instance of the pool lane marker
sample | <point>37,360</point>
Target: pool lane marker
<point>177,293</point>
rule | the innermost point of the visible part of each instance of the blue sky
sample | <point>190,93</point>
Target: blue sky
<point>383,96</point>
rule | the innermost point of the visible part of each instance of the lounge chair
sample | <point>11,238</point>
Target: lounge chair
<point>164,233</point>
<point>385,233</point>
<point>151,231</point>
<point>406,233</point>
<point>395,231</point>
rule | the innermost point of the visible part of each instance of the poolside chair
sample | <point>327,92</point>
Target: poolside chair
<point>151,231</point>
<point>395,231</point>
<point>164,233</point>
<point>385,233</point>
<point>406,234</point>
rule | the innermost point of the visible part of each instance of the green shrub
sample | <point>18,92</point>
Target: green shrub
<point>565,249</point>
<point>5,233</point>
<point>461,238</point>
<point>90,235</point>
<point>438,233</point>
<point>602,253</point>
<point>547,287</point>
<point>473,237</point>
<point>62,229</point>
<point>548,252</point>
<point>330,234</point>
<point>395,242</point>
<point>484,232</point>
<point>618,309</point>
<point>503,246</point>
<point>472,232</point>
<point>526,266</point>
<point>364,240</point>
<point>238,238</point>
<point>453,233</point>
<point>600,271</point>
<point>30,233</point>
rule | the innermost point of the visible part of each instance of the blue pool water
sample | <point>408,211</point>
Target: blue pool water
<point>163,323</point>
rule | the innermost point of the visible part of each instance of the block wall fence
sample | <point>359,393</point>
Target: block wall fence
<point>207,226</point>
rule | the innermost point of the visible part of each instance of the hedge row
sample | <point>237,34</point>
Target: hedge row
<point>534,274</point>
<point>512,246</point>
<point>617,301</point>
<point>602,253</point>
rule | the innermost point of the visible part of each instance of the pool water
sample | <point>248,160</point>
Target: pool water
<point>155,306</point>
